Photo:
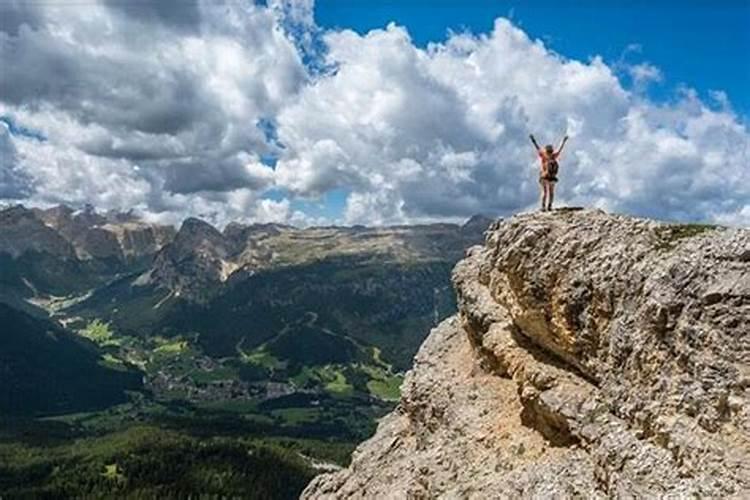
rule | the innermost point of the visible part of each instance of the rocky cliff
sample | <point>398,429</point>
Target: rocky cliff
<point>195,260</point>
<point>593,356</point>
<point>60,251</point>
<point>21,231</point>
<point>120,236</point>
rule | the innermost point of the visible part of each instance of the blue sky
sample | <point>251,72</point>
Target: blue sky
<point>701,44</point>
<point>331,111</point>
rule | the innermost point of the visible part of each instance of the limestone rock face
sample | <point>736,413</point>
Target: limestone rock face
<point>194,261</point>
<point>137,239</point>
<point>593,356</point>
<point>114,235</point>
<point>21,231</point>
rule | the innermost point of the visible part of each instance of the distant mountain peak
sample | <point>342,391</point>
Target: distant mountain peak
<point>478,221</point>
<point>196,224</point>
<point>196,232</point>
<point>22,231</point>
<point>59,250</point>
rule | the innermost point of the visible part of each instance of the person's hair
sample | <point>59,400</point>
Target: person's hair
<point>549,148</point>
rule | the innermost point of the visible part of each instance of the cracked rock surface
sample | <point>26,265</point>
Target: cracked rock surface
<point>593,356</point>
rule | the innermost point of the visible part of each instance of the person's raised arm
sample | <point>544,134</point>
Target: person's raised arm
<point>533,141</point>
<point>562,145</point>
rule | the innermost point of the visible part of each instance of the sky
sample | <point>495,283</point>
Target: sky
<point>374,112</point>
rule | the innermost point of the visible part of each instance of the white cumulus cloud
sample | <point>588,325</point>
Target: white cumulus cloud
<point>442,132</point>
<point>174,109</point>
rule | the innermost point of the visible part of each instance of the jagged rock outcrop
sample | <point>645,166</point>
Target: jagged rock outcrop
<point>119,236</point>
<point>593,356</point>
<point>60,251</point>
<point>138,239</point>
<point>21,231</point>
<point>194,262</point>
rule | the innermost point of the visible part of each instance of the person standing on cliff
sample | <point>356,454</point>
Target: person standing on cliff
<point>548,170</point>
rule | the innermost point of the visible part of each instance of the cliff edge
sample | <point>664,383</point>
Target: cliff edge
<point>592,356</point>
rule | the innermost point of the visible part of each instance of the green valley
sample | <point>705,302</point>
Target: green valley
<point>258,355</point>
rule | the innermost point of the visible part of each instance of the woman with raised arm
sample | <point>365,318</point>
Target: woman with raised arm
<point>548,170</point>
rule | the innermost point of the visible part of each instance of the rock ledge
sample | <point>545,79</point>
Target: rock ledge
<point>593,356</point>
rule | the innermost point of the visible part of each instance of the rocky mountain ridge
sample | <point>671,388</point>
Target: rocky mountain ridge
<point>200,258</point>
<point>195,260</point>
<point>59,252</point>
<point>365,286</point>
<point>593,356</point>
<point>121,236</point>
<point>84,235</point>
<point>23,231</point>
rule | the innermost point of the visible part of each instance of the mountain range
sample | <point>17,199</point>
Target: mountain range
<point>282,309</point>
<point>257,354</point>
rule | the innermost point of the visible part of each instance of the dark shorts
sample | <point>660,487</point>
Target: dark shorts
<point>549,178</point>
